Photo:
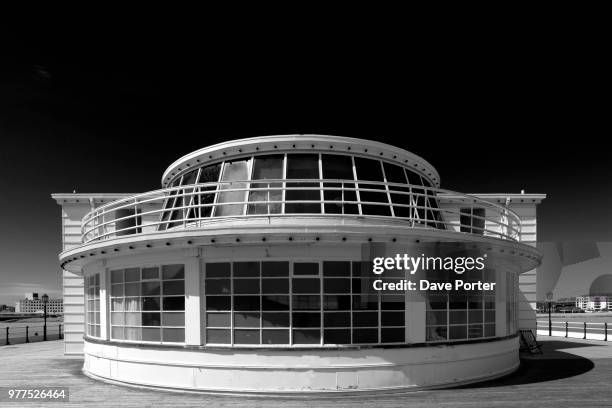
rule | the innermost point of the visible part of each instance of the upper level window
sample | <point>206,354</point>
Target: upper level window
<point>371,170</point>
<point>233,171</point>
<point>264,168</point>
<point>337,167</point>
<point>472,220</point>
<point>303,166</point>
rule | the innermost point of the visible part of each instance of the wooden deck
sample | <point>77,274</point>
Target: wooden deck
<point>569,373</point>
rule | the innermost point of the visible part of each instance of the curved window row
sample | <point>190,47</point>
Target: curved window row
<point>243,181</point>
<point>299,303</point>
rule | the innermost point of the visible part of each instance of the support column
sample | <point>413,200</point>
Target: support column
<point>192,298</point>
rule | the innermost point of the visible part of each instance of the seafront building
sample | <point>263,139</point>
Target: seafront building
<point>32,303</point>
<point>249,271</point>
<point>594,303</point>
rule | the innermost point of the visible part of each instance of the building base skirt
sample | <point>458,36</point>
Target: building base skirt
<point>297,372</point>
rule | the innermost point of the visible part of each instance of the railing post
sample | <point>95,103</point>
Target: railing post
<point>7,335</point>
<point>605,331</point>
<point>27,334</point>
<point>60,332</point>
<point>585,330</point>
<point>566,329</point>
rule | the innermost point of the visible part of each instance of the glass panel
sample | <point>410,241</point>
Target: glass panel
<point>365,319</point>
<point>150,273</point>
<point>371,170</point>
<point>303,166</point>
<point>132,289</point>
<point>335,336</point>
<point>246,286</point>
<point>246,303</point>
<point>306,285</point>
<point>246,336</point>
<point>218,336</point>
<point>335,302</point>
<point>117,290</point>
<point>274,269</point>
<point>131,304</point>
<point>117,318</point>
<point>133,333</point>
<point>117,333</point>
<point>174,335</point>
<point>150,334</point>
<point>365,335</point>
<point>174,303</point>
<point>337,319</point>
<point>218,320</point>
<point>217,286</point>
<point>275,336</point>
<point>302,268</point>
<point>305,302</point>
<point>392,318</point>
<point>396,335</point>
<point>338,167</point>
<point>218,302</point>
<point>151,303</point>
<point>336,268</point>
<point>151,319</point>
<point>305,319</point>
<point>218,270</point>
<point>246,269</point>
<point>275,286</point>
<point>266,167</point>
<point>150,288</point>
<point>132,275</point>
<point>275,302</point>
<point>174,287</point>
<point>208,174</point>
<point>246,319</point>
<point>337,285</point>
<point>275,319</point>
<point>173,319</point>
<point>457,332</point>
<point>301,336</point>
<point>173,272</point>
<point>117,304</point>
<point>117,276</point>
<point>232,171</point>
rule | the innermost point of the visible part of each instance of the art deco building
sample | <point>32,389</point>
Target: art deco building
<point>250,271</point>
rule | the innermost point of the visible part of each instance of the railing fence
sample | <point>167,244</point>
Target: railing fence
<point>30,333</point>
<point>576,330</point>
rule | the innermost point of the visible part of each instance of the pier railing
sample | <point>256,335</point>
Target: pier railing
<point>575,329</point>
<point>196,205</point>
<point>30,333</point>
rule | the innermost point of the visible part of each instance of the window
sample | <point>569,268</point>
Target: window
<point>371,170</point>
<point>299,303</point>
<point>400,196</point>
<point>266,167</point>
<point>92,304</point>
<point>148,304</point>
<point>460,315</point>
<point>303,166</point>
<point>233,171</point>
<point>472,220</point>
<point>344,199</point>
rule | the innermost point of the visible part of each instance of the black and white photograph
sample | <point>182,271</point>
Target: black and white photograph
<point>202,217</point>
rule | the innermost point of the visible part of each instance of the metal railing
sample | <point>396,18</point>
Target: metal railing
<point>192,206</point>
<point>577,330</point>
<point>30,333</point>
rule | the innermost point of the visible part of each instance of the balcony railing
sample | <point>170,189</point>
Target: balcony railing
<point>195,205</point>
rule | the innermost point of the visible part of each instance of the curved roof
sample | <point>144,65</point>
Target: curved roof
<point>299,143</point>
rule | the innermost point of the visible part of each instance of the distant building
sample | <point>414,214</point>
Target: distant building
<point>31,296</point>
<point>595,303</point>
<point>6,308</point>
<point>34,304</point>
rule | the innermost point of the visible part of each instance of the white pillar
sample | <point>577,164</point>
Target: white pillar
<point>192,298</point>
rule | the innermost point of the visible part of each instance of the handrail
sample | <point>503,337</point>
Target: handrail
<point>420,203</point>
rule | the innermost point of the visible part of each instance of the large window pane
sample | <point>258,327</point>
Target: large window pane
<point>303,166</point>
<point>233,171</point>
<point>266,167</point>
<point>337,167</point>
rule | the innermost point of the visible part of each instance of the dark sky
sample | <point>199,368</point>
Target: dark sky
<point>109,113</point>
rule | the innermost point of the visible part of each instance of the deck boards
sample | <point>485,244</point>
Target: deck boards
<point>569,373</point>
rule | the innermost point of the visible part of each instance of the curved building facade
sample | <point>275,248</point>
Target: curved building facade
<point>250,271</point>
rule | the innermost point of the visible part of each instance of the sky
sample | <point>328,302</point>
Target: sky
<point>108,114</point>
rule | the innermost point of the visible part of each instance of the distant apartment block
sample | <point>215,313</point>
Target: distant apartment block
<point>595,303</point>
<point>34,304</point>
